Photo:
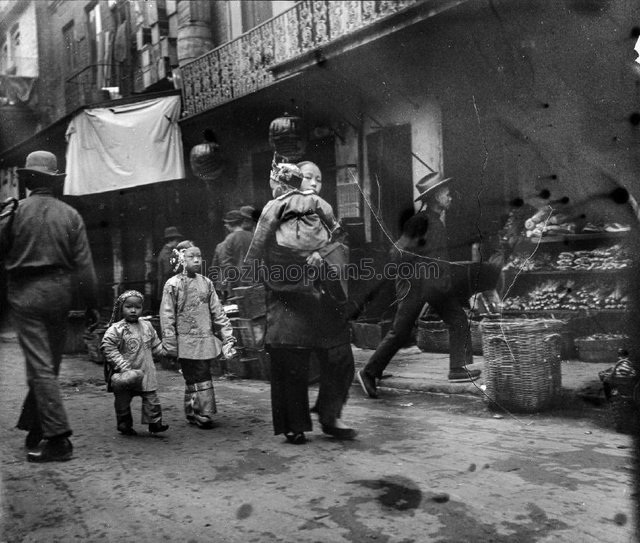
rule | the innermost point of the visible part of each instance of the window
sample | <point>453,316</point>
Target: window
<point>243,15</point>
<point>69,41</point>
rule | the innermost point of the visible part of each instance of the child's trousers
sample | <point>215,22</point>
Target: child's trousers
<point>151,408</point>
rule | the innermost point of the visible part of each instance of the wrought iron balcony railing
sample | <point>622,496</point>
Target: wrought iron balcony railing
<point>245,64</point>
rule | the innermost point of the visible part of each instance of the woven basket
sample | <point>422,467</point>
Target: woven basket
<point>624,401</point>
<point>522,363</point>
<point>433,336</point>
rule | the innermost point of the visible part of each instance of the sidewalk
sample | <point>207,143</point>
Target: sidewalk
<point>417,371</point>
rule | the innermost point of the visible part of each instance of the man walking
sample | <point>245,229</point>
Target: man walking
<point>44,245</point>
<point>423,245</point>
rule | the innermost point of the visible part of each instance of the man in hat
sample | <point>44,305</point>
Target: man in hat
<point>164,269</point>
<point>250,218</point>
<point>424,240</point>
<point>232,251</point>
<point>46,255</point>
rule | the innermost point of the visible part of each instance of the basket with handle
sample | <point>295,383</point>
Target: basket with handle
<point>522,363</point>
<point>622,388</point>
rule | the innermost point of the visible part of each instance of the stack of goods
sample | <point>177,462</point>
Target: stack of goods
<point>605,227</point>
<point>549,222</point>
<point>601,347</point>
<point>611,258</point>
<point>561,295</point>
<point>524,263</point>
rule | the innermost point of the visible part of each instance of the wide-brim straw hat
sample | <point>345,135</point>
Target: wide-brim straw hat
<point>42,163</point>
<point>430,182</point>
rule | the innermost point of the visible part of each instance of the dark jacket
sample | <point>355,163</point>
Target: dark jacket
<point>47,234</point>
<point>423,244</point>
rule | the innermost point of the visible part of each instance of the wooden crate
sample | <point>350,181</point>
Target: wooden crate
<point>249,332</point>
<point>368,335</point>
<point>251,301</point>
<point>74,340</point>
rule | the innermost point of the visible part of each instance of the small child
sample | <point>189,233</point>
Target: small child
<point>296,230</point>
<point>129,344</point>
<point>189,310</point>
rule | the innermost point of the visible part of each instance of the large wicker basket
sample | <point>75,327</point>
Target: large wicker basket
<point>522,363</point>
<point>433,336</point>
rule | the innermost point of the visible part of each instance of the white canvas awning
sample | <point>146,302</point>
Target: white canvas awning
<point>124,146</point>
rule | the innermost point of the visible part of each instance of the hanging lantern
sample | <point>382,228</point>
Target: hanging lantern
<point>286,137</point>
<point>206,159</point>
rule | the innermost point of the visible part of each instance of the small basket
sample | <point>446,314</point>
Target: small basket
<point>600,350</point>
<point>433,336</point>
<point>522,363</point>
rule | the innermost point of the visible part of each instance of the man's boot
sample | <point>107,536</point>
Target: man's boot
<point>56,449</point>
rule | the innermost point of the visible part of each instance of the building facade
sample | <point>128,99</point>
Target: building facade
<point>511,100</point>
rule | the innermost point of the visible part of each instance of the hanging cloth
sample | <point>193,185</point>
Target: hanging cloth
<point>124,146</point>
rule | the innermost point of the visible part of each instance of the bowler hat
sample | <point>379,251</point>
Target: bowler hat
<point>248,212</point>
<point>430,182</point>
<point>233,216</point>
<point>171,232</point>
<point>42,163</point>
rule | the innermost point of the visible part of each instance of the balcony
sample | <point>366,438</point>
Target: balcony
<point>247,64</point>
<point>89,86</point>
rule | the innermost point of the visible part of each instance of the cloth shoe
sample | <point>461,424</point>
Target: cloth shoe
<point>55,450</point>
<point>368,384</point>
<point>464,374</point>
<point>297,438</point>
<point>157,427</point>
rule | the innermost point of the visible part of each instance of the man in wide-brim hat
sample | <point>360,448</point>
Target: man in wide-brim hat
<point>47,256</point>
<point>231,252</point>
<point>423,245</point>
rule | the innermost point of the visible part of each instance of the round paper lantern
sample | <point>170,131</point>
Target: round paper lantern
<point>286,137</point>
<point>206,159</point>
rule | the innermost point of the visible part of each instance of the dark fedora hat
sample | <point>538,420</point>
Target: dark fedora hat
<point>232,217</point>
<point>42,163</point>
<point>430,182</point>
<point>171,232</point>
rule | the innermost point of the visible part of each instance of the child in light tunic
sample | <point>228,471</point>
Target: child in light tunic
<point>129,344</point>
<point>190,316</point>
